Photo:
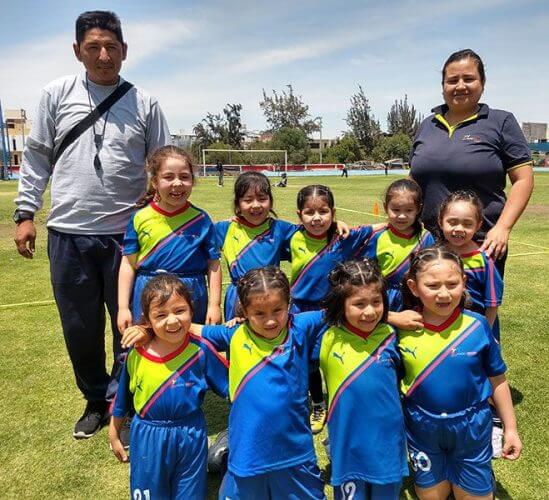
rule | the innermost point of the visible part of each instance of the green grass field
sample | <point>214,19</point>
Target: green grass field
<point>40,402</point>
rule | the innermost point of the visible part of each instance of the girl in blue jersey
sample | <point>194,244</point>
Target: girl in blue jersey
<point>315,249</point>
<point>393,243</point>
<point>450,368</point>
<point>271,453</point>
<point>170,235</point>
<point>164,382</point>
<point>253,238</point>
<point>460,217</point>
<point>359,359</point>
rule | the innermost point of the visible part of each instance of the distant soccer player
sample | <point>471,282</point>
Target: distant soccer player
<point>219,169</point>
<point>359,359</point>
<point>451,367</point>
<point>164,383</point>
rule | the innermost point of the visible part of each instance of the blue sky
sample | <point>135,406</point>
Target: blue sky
<point>197,56</point>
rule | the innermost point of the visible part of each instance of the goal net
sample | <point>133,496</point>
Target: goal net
<point>236,161</point>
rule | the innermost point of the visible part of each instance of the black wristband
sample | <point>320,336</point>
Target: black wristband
<point>21,215</point>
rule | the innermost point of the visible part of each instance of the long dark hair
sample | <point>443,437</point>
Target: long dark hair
<point>252,180</point>
<point>344,278</point>
<point>318,191</point>
<point>411,187</point>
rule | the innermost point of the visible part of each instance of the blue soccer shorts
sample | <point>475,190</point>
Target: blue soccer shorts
<point>362,490</point>
<point>168,459</point>
<point>292,483</point>
<point>451,447</point>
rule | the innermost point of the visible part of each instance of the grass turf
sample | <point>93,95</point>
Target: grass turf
<point>39,457</point>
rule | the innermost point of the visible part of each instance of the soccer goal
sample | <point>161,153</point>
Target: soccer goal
<point>237,168</point>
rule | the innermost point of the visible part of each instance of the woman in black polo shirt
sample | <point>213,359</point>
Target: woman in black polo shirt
<point>467,145</point>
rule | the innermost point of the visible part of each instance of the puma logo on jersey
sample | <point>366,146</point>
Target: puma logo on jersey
<point>412,352</point>
<point>146,233</point>
<point>236,238</point>
<point>301,249</point>
<point>248,347</point>
<point>338,356</point>
<point>138,386</point>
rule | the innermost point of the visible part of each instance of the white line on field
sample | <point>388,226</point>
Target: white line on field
<point>20,304</point>
<point>358,212</point>
<point>528,244</point>
<point>528,253</point>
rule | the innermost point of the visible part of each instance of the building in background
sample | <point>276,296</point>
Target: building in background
<point>18,129</point>
<point>535,132</point>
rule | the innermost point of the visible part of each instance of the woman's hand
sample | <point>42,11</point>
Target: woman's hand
<point>495,243</point>
<point>135,336</point>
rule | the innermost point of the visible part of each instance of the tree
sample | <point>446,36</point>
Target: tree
<point>362,122</point>
<point>218,128</point>
<point>346,150</point>
<point>287,110</point>
<point>396,146</point>
<point>295,141</point>
<point>403,119</point>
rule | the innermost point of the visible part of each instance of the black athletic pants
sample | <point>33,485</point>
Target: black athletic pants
<point>84,277</point>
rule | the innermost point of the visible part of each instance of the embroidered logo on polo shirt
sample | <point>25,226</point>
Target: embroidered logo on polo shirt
<point>410,351</point>
<point>338,356</point>
<point>471,138</point>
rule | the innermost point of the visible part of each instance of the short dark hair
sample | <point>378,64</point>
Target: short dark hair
<point>465,54</point>
<point>318,191</point>
<point>102,19</point>
<point>161,288</point>
<point>344,278</point>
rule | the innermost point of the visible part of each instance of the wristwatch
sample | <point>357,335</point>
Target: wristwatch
<point>21,215</point>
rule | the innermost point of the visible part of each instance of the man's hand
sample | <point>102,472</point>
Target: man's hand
<point>25,236</point>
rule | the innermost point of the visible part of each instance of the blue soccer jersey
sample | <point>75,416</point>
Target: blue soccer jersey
<point>179,242</point>
<point>170,388</point>
<point>313,258</point>
<point>246,247</point>
<point>393,251</point>
<point>446,367</point>
<point>484,282</point>
<point>268,384</point>
<point>365,421</point>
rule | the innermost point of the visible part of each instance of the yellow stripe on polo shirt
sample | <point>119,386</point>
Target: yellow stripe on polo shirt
<point>525,164</point>
<point>420,349</point>
<point>452,128</point>
<point>248,351</point>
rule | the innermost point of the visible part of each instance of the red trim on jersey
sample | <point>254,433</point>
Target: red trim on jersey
<point>470,254</point>
<point>396,232</point>
<point>155,207</point>
<point>445,324</point>
<point>357,331</point>
<point>168,357</point>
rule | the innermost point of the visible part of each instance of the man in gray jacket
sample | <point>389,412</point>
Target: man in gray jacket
<point>95,183</point>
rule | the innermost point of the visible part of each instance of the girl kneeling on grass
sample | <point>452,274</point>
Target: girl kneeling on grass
<point>165,382</point>
<point>451,367</point>
<point>359,359</point>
